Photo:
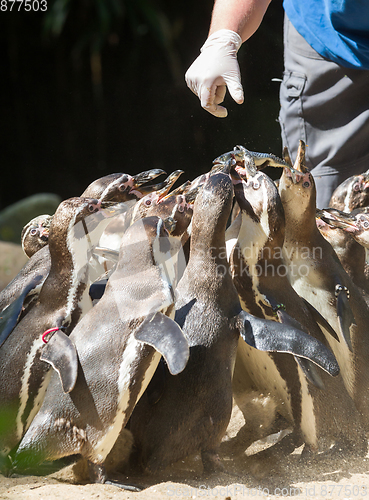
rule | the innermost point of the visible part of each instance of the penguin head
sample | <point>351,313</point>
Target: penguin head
<point>352,193</point>
<point>337,237</point>
<point>151,200</point>
<point>35,234</point>
<point>127,187</point>
<point>79,221</point>
<point>297,189</point>
<point>212,207</point>
<point>356,223</point>
<point>175,207</point>
<point>260,203</point>
<point>361,222</point>
<point>120,187</point>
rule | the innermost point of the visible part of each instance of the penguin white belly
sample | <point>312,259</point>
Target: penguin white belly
<point>308,287</point>
<point>266,376</point>
<point>128,372</point>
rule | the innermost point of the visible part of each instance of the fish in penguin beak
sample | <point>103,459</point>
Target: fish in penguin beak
<point>260,160</point>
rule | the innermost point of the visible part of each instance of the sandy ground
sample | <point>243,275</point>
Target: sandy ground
<point>245,477</point>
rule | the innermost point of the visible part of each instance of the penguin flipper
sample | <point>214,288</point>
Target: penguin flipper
<point>267,335</point>
<point>10,315</point>
<point>61,354</point>
<point>309,369</point>
<point>165,335</point>
<point>344,314</point>
<point>322,322</point>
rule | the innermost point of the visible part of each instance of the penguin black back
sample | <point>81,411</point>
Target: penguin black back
<point>195,408</point>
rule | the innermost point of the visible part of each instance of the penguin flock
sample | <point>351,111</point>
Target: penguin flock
<point>146,311</point>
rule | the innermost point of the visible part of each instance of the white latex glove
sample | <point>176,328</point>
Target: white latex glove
<point>214,70</point>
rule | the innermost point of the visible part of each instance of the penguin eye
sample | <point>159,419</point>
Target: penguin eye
<point>306,184</point>
<point>33,232</point>
<point>357,187</point>
<point>122,187</point>
<point>366,224</point>
<point>148,202</point>
<point>180,208</point>
<point>91,208</point>
<point>256,184</point>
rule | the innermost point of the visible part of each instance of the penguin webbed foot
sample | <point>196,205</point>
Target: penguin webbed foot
<point>97,474</point>
<point>342,448</point>
<point>211,462</point>
<point>285,446</point>
<point>128,487</point>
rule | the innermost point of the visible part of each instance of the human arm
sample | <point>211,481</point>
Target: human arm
<point>233,22</point>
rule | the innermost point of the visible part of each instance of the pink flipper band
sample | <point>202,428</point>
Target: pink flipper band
<point>47,332</point>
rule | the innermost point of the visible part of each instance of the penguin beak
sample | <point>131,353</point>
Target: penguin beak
<point>44,233</point>
<point>300,164</point>
<point>339,220</point>
<point>299,169</point>
<point>140,179</point>
<point>181,190</point>
<point>167,184</point>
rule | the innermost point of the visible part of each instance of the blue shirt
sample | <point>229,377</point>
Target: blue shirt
<point>337,29</point>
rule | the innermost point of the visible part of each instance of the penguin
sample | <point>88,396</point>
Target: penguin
<point>111,238</point>
<point>125,186</point>
<point>125,335</point>
<point>35,234</point>
<point>114,188</point>
<point>193,412</point>
<point>350,252</point>
<point>63,299</point>
<point>317,275</point>
<point>175,209</point>
<point>260,277</point>
<point>355,223</point>
<point>351,193</point>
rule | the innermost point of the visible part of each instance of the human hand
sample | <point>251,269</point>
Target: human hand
<point>214,70</point>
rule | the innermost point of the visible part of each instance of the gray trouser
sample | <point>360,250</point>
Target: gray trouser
<point>327,106</point>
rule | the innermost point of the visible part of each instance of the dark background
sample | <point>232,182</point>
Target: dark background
<point>93,87</point>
